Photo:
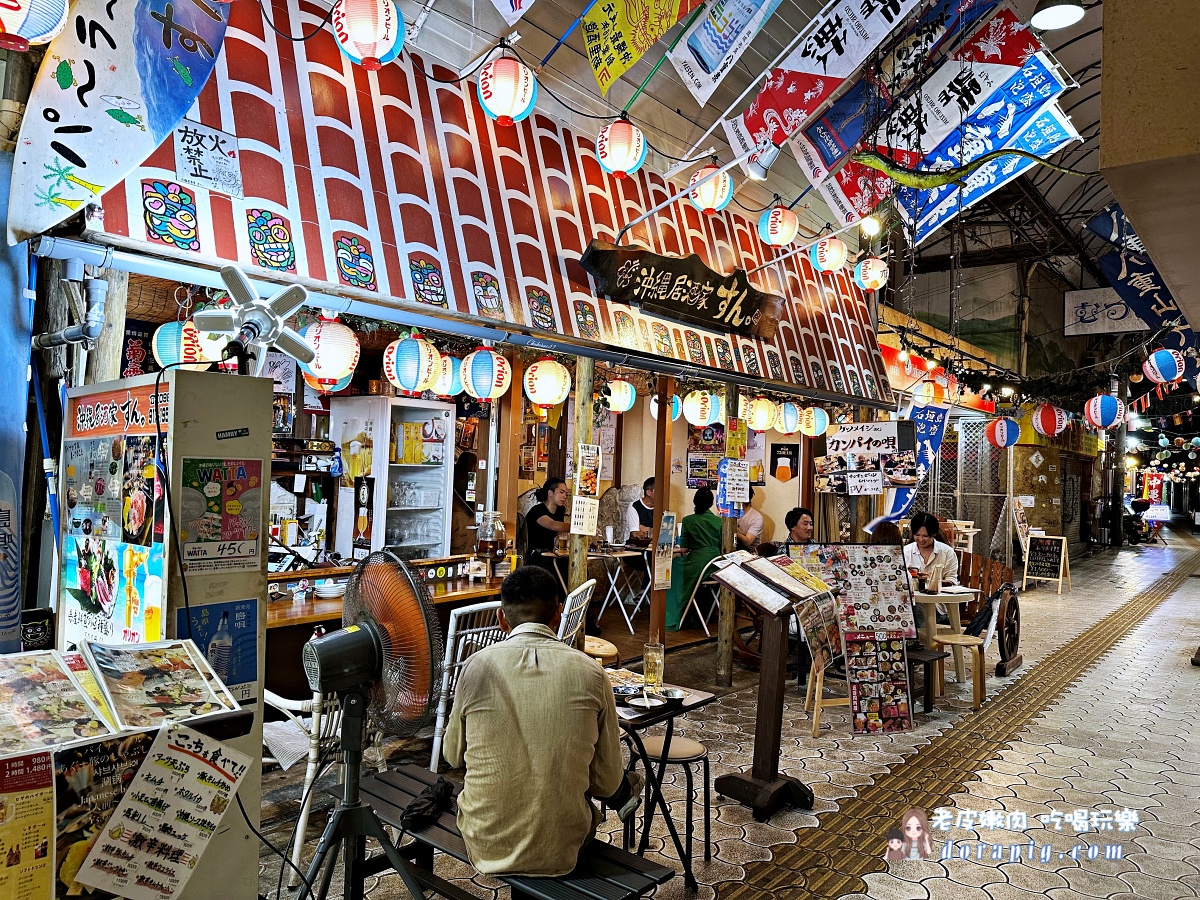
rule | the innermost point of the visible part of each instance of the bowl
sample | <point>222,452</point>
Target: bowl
<point>625,690</point>
<point>646,701</point>
<point>673,693</point>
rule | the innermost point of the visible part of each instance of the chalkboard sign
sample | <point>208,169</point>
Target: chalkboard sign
<point>1046,560</point>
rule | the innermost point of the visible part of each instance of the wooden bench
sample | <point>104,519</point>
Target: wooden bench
<point>605,871</point>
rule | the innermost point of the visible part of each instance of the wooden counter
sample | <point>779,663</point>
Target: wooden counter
<point>282,613</point>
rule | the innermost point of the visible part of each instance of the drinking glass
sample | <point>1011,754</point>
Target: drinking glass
<point>652,666</point>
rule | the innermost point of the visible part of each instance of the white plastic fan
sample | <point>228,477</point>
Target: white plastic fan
<point>256,324</point>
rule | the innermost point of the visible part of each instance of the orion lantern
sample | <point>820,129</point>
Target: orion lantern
<point>714,195</point>
<point>814,422</point>
<point>778,226</point>
<point>547,383</point>
<point>1104,411</point>
<point>1164,366</point>
<point>828,254</point>
<point>676,406</point>
<point>507,90</point>
<point>336,348</point>
<point>369,32</point>
<point>449,380</point>
<point>413,364</point>
<point>788,418</point>
<point>180,342</point>
<point>760,414</point>
<point>1049,420</point>
<point>871,274</point>
<point>485,374</point>
<point>698,408</point>
<point>621,395</point>
<point>621,148</point>
<point>1003,432</point>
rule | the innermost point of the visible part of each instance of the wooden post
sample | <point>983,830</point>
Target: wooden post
<point>863,510</point>
<point>585,372</point>
<point>104,362</point>
<point>726,602</point>
<point>662,500</point>
<point>508,467</point>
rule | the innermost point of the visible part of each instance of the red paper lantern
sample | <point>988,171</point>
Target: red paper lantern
<point>1049,420</point>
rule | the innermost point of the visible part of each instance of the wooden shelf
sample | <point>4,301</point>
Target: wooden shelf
<point>283,613</point>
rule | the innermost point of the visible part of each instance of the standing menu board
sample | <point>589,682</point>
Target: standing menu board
<point>1046,560</point>
<point>870,582</point>
<point>818,622</point>
<point>877,675</point>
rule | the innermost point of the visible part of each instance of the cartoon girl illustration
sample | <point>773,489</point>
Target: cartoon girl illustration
<point>895,845</point>
<point>915,826</point>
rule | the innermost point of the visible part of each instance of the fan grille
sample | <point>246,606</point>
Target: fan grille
<point>384,590</point>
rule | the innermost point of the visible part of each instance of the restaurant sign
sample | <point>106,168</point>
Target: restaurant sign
<point>682,288</point>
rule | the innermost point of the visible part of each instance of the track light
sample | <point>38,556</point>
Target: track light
<point>870,226</point>
<point>1051,15</point>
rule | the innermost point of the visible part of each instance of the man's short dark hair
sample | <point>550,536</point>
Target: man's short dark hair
<point>929,522</point>
<point>792,519</point>
<point>647,485</point>
<point>529,594</point>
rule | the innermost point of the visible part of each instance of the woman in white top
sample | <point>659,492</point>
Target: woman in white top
<point>925,552</point>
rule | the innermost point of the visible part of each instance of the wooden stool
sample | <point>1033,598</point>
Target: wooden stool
<point>816,700</point>
<point>925,660</point>
<point>975,645</point>
<point>602,651</point>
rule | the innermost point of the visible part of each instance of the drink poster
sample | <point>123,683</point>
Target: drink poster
<point>785,461</point>
<point>664,552</point>
<point>136,355</point>
<point>705,450</point>
<point>89,781</point>
<point>26,826</point>
<point>92,479</point>
<point>166,818</point>
<point>227,636</point>
<point>870,582</point>
<point>877,675</point>
<point>221,514</point>
<point>736,439</point>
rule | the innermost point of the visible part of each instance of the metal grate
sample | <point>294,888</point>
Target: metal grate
<point>981,494</point>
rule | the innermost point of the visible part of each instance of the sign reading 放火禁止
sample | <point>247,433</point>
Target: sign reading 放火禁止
<point>682,288</point>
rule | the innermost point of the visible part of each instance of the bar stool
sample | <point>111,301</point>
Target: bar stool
<point>602,651</point>
<point>685,752</point>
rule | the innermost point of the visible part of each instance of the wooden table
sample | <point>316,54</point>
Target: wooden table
<point>954,604</point>
<point>286,612</point>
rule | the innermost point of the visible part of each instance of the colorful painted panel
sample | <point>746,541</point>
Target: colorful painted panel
<point>169,210</point>
<point>355,262</point>
<point>271,243</point>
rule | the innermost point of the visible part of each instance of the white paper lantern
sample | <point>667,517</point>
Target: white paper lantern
<point>175,342</point>
<point>828,254</point>
<point>778,226</point>
<point>336,348</point>
<point>814,421</point>
<point>871,274</point>
<point>369,32</point>
<point>485,374</point>
<point>621,148</point>
<point>698,408</point>
<point>714,195</point>
<point>676,406</point>
<point>547,383</point>
<point>621,395</point>
<point>507,90</point>
<point>760,414</point>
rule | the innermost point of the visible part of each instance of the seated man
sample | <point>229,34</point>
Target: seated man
<point>535,724</point>
<point>750,526</point>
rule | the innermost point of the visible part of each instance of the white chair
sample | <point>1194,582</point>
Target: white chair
<point>471,629</point>
<point>694,600</point>
<point>575,612</point>
<point>323,730</point>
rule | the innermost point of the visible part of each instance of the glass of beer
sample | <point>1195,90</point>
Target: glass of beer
<point>652,667</point>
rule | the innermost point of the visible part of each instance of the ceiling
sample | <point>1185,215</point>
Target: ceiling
<point>1048,207</point>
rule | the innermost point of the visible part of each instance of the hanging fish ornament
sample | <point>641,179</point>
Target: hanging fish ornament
<point>916,178</point>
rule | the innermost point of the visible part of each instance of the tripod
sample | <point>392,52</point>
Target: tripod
<point>352,821</point>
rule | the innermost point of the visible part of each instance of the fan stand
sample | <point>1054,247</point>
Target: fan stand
<point>352,821</point>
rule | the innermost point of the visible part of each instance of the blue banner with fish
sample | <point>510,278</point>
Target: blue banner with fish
<point>1111,225</point>
<point>113,86</point>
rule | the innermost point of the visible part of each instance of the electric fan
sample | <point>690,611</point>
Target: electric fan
<point>256,323</point>
<point>385,666</point>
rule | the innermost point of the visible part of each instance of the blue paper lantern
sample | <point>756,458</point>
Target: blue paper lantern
<point>412,364</point>
<point>1003,432</point>
<point>449,380</point>
<point>789,417</point>
<point>676,406</point>
<point>1163,442</point>
<point>1104,411</point>
<point>814,421</point>
<point>1164,366</point>
<point>485,374</point>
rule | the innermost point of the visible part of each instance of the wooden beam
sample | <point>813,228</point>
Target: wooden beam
<point>662,495</point>
<point>507,469</point>
<point>585,374</point>
<point>726,602</point>
<point>104,361</point>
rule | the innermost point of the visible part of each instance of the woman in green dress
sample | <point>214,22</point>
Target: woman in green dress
<point>700,540</point>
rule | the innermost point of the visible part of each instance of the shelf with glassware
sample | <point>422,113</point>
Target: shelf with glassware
<point>397,457</point>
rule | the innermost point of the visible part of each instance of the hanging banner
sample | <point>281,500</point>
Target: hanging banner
<point>855,189</point>
<point>1048,133</point>
<point>1152,486</point>
<point>1111,225</point>
<point>512,10</point>
<point>1098,311</point>
<point>716,41</point>
<point>617,34</point>
<point>823,144</point>
<point>1136,279</point>
<point>930,422</point>
<point>837,41</point>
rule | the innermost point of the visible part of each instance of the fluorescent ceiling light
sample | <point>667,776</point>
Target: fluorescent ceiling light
<point>1051,15</point>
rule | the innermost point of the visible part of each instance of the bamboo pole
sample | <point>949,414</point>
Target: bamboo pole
<point>585,374</point>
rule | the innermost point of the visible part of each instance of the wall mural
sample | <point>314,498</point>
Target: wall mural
<point>169,210</point>
<point>456,212</point>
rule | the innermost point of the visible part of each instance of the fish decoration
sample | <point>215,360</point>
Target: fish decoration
<point>916,178</point>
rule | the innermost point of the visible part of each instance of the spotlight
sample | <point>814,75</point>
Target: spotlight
<point>1051,15</point>
<point>870,226</point>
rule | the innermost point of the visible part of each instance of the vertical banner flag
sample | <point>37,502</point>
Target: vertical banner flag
<point>1152,487</point>
<point>1045,135</point>
<point>919,120</point>
<point>836,42</point>
<point>1138,282</point>
<point>512,10</point>
<point>1111,225</point>
<point>617,32</point>
<point>716,41</point>
<point>930,421</point>
<point>856,189</point>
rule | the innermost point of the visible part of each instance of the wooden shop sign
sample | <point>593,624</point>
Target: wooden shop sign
<point>683,288</point>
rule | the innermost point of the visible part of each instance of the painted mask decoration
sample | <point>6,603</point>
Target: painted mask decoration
<point>872,386</point>
<point>774,365</point>
<point>708,351</point>
<point>662,339</point>
<point>680,349</point>
<point>818,379</point>
<point>271,240</point>
<point>486,289</point>
<point>627,335</point>
<point>695,348</point>
<point>585,318</point>
<point>541,309</point>
<point>428,284</point>
<point>169,210</point>
<point>355,265</point>
<point>855,383</point>
<point>835,375</point>
<point>724,357</point>
<point>750,357</point>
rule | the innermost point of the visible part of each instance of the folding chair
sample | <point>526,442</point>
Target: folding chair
<point>704,582</point>
<point>471,629</point>
<point>575,612</point>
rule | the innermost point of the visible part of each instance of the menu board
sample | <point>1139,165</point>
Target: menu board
<point>26,827</point>
<point>866,457</point>
<point>870,581</point>
<point>92,479</point>
<point>1046,560</point>
<point>877,675</point>
<point>777,576</point>
<point>752,589</point>
<point>818,623</point>
<point>42,706</point>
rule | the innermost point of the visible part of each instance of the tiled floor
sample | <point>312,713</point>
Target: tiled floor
<point>1097,723</point>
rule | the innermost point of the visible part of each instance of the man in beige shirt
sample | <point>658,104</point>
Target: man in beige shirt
<point>535,724</point>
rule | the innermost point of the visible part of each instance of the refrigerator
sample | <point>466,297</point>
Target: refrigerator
<point>397,457</point>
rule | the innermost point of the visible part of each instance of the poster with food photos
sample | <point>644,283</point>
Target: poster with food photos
<point>877,675</point>
<point>870,582</point>
<point>221,514</point>
<point>818,623</point>
<point>152,684</point>
<point>92,482</point>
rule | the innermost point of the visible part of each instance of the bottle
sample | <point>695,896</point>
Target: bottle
<point>510,554</point>
<point>725,21</point>
<point>336,468</point>
<point>220,648</point>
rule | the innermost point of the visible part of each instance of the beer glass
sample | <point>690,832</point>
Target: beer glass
<point>652,666</point>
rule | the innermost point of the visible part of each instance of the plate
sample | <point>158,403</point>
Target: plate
<point>649,701</point>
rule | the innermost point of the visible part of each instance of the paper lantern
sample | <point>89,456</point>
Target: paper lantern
<point>1196,442</point>
<point>485,374</point>
<point>1104,411</point>
<point>507,90</point>
<point>698,408</point>
<point>828,254</point>
<point>621,148</point>
<point>676,406</point>
<point>621,395</point>
<point>1049,420</point>
<point>413,364</point>
<point>814,422</point>
<point>1179,442</point>
<point>336,348</point>
<point>340,385</point>
<point>712,196</point>
<point>789,418</point>
<point>871,274</point>
<point>25,22</point>
<point>717,406</point>
<point>179,342</point>
<point>449,380</point>
<point>547,383</point>
<point>778,226</point>
<point>369,32</point>
<point>1164,366</point>
<point>1003,432</point>
<point>760,414</point>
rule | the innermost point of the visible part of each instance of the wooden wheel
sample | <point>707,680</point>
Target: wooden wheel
<point>1008,634</point>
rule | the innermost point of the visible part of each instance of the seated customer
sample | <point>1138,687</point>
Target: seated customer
<point>639,518</point>
<point>799,522</point>
<point>750,526</point>
<point>700,538</point>
<point>535,724</point>
<point>925,552</point>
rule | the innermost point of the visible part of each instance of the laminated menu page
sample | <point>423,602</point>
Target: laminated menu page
<point>42,706</point>
<point>170,812</point>
<point>154,684</point>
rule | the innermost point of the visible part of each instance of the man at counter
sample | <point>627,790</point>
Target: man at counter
<point>534,723</point>
<point>799,522</point>
<point>639,518</point>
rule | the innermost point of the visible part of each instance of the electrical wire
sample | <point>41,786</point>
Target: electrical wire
<point>304,37</point>
<point>262,839</point>
<point>321,765</point>
<point>459,80</point>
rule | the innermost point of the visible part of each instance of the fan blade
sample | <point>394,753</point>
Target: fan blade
<point>287,301</point>
<point>215,321</point>
<point>238,285</point>
<point>294,346</point>
<point>260,358</point>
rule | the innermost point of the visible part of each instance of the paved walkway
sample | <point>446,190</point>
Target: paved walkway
<point>1099,719</point>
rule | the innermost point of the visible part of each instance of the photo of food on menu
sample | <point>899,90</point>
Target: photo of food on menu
<point>877,673</point>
